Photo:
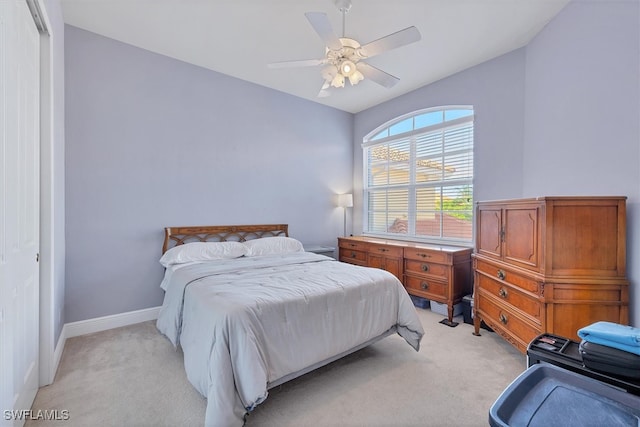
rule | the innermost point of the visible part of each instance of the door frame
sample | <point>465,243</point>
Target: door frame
<point>48,268</point>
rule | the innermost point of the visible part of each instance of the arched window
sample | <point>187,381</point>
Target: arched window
<point>418,176</point>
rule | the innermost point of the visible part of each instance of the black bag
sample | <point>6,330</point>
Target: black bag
<point>610,360</point>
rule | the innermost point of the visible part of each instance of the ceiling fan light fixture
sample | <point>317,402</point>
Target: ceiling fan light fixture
<point>347,68</point>
<point>338,81</point>
<point>344,56</point>
<point>355,77</point>
<point>329,72</point>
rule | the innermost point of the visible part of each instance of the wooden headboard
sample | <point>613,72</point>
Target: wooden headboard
<point>174,236</point>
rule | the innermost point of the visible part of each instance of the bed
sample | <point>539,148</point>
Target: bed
<point>251,310</point>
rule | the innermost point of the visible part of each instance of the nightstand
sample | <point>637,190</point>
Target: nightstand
<point>322,250</point>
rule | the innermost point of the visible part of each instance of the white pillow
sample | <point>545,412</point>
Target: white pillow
<point>273,245</point>
<point>202,251</point>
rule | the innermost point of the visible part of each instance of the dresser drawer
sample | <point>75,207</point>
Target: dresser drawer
<point>423,267</point>
<point>426,255</point>
<point>353,244</point>
<point>514,279</point>
<point>499,317</point>
<point>511,296</point>
<point>428,288</point>
<point>353,256</point>
<point>385,250</point>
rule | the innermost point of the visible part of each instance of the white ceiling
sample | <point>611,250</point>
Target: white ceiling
<point>240,37</point>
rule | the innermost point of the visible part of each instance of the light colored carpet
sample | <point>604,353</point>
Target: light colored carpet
<point>132,376</point>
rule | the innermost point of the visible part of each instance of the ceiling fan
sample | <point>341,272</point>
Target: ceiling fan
<point>344,57</point>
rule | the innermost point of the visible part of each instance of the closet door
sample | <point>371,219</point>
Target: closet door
<point>19,208</point>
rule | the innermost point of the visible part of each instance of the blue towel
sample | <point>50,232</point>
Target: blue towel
<point>626,338</point>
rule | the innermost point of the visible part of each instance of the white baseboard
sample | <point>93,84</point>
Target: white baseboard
<point>98,324</point>
<point>57,353</point>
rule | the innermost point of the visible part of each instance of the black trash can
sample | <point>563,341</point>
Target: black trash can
<point>467,312</point>
<point>467,304</point>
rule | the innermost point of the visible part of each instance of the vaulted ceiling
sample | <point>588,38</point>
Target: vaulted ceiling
<point>240,37</point>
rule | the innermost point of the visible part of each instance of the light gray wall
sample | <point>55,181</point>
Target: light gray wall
<point>560,116</point>
<point>582,123</point>
<point>155,142</point>
<point>495,89</point>
<point>151,142</point>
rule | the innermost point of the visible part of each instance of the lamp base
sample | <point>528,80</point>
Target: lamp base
<point>344,229</point>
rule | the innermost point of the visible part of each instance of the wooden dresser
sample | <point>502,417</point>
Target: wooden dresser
<point>437,273</point>
<point>550,265</point>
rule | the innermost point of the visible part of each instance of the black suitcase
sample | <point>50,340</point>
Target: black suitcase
<point>610,360</point>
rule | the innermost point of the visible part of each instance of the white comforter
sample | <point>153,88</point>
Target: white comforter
<point>247,322</point>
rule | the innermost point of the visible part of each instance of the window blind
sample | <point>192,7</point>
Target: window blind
<point>419,176</point>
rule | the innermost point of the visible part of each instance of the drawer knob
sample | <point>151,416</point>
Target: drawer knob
<point>503,292</point>
<point>425,267</point>
<point>353,245</point>
<point>424,286</point>
<point>353,254</point>
<point>424,255</point>
<point>501,274</point>
<point>503,318</point>
<point>384,250</point>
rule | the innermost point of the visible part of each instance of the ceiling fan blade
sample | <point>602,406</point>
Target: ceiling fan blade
<point>392,41</point>
<point>321,24</point>
<point>375,74</point>
<point>324,91</point>
<point>302,63</point>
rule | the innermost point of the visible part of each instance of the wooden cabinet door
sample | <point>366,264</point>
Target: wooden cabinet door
<point>521,234</point>
<point>489,232</point>
<point>392,265</point>
<point>376,261</point>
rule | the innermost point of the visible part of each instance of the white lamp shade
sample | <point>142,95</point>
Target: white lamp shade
<point>355,77</point>
<point>347,68</point>
<point>345,200</point>
<point>338,81</point>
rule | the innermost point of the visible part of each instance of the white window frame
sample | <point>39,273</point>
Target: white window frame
<point>412,185</point>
